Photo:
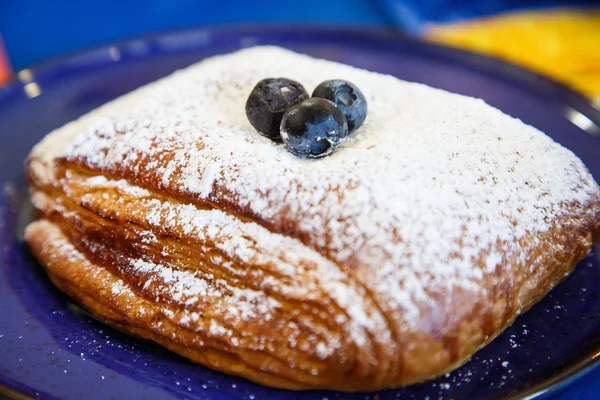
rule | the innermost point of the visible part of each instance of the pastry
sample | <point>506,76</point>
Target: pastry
<point>389,262</point>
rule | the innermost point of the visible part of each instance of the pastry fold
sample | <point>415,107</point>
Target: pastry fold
<point>388,263</point>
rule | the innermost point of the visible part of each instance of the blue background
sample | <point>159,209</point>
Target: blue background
<point>35,30</point>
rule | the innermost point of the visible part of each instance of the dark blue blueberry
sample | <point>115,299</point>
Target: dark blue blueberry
<point>347,97</point>
<point>269,100</point>
<point>313,128</point>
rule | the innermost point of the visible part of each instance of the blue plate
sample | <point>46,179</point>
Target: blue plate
<point>50,349</point>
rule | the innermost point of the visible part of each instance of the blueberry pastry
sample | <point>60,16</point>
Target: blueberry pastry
<point>298,251</point>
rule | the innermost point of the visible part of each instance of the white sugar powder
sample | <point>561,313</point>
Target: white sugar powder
<point>432,180</point>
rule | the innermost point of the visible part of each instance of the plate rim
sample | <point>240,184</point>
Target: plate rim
<point>392,35</point>
<point>515,74</point>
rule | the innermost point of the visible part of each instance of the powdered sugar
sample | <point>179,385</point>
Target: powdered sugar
<point>117,287</point>
<point>431,181</point>
<point>188,288</point>
<point>120,184</point>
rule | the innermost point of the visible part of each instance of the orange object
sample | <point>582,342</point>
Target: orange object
<point>563,44</point>
<point>5,72</point>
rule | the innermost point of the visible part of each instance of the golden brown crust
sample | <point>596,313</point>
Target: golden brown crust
<point>279,282</point>
<point>102,238</point>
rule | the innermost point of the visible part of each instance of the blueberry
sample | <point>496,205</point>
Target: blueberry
<point>313,128</point>
<point>347,97</point>
<point>269,100</point>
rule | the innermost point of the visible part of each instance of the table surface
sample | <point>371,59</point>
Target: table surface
<point>87,23</point>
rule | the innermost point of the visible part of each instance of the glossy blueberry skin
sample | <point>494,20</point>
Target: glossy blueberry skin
<point>313,128</point>
<point>269,100</point>
<point>347,97</point>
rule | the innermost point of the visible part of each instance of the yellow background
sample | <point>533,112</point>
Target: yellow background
<point>562,44</point>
